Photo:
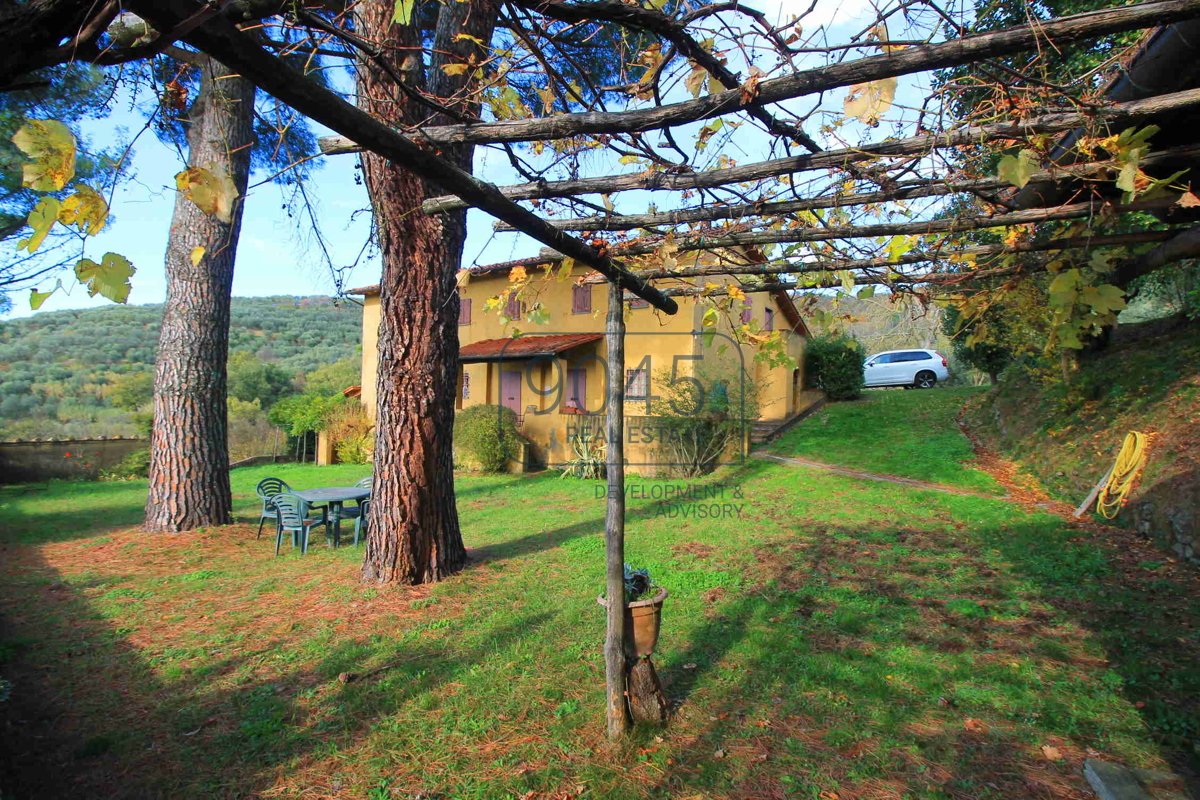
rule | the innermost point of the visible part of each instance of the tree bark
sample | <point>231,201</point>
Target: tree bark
<point>414,535</point>
<point>617,714</point>
<point>189,449</point>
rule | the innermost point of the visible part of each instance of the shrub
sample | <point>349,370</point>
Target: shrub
<point>485,437</point>
<point>587,446</point>
<point>698,417</point>
<point>834,364</point>
<point>352,433</point>
<point>134,465</point>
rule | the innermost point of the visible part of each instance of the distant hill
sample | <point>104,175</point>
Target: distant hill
<point>57,368</point>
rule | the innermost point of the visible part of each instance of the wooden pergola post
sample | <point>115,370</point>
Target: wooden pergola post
<point>614,515</point>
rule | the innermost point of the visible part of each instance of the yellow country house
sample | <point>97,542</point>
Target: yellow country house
<point>534,343</point>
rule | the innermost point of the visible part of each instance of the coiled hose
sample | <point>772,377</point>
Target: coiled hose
<point>1129,463</point>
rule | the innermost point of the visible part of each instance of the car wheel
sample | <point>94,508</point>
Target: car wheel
<point>925,380</point>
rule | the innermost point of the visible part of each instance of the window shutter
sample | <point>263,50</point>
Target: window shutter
<point>747,311</point>
<point>512,309</point>
<point>581,299</point>
<point>768,319</point>
<point>464,311</point>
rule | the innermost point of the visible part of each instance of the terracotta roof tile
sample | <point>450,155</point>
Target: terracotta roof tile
<point>519,347</point>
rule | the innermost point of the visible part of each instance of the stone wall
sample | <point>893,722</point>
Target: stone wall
<point>64,458</point>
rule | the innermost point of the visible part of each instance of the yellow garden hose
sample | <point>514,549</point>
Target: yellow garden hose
<point>1125,470</point>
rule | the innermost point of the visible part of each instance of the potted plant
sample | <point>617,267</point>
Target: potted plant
<point>643,611</point>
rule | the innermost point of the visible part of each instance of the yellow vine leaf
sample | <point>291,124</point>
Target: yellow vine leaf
<point>455,69</point>
<point>36,298</point>
<point>868,102</point>
<point>85,209</point>
<point>517,275</point>
<point>197,254</point>
<point>109,278</point>
<point>51,147</point>
<point>211,190</point>
<point>462,278</point>
<point>403,12</point>
<point>695,81</point>
<point>41,219</point>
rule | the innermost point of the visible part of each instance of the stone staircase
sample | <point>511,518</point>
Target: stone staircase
<point>764,431</point>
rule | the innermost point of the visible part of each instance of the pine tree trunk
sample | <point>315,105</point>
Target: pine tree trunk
<point>189,448</point>
<point>413,527</point>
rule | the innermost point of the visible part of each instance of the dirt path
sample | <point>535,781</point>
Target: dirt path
<point>876,476</point>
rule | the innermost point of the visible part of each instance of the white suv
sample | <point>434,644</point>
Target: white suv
<point>920,368</point>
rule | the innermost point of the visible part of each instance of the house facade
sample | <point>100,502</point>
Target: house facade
<point>540,352</point>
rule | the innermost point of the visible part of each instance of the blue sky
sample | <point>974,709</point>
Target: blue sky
<point>276,256</point>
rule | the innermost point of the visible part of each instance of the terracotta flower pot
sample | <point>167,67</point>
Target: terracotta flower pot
<point>642,619</point>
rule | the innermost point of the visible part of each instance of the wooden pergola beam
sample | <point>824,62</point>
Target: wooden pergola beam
<point>719,241</point>
<point>1113,115</point>
<point>922,58</point>
<point>792,267</point>
<point>909,190</point>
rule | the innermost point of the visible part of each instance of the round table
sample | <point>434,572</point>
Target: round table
<point>334,497</point>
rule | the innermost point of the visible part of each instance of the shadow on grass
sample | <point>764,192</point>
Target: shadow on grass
<point>870,676</point>
<point>106,726</point>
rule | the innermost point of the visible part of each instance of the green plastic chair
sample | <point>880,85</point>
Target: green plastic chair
<point>359,512</point>
<point>267,489</point>
<point>293,516</point>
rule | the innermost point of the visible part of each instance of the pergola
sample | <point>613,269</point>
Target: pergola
<point>895,210</point>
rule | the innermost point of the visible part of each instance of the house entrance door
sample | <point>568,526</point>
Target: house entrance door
<point>510,391</point>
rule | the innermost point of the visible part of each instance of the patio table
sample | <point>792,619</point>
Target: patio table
<point>335,497</point>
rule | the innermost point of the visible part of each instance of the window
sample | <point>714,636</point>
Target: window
<point>512,309</point>
<point>581,299</point>
<point>577,389</point>
<point>638,302</point>
<point>747,311</point>
<point>768,319</point>
<point>886,358</point>
<point>637,384</point>
<point>464,311</point>
<point>466,386</point>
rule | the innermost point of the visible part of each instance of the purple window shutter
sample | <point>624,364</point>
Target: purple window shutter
<point>464,311</point>
<point>747,311</point>
<point>512,309</point>
<point>768,319</point>
<point>581,299</point>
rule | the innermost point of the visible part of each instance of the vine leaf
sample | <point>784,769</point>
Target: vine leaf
<point>196,255</point>
<point>41,219</point>
<point>211,190</point>
<point>868,102</point>
<point>36,298</point>
<point>85,209</point>
<point>403,12</point>
<point>109,278</point>
<point>51,147</point>
<point>695,80</point>
<point>1017,170</point>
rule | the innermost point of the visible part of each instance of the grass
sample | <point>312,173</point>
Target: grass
<point>913,434</point>
<point>825,638</point>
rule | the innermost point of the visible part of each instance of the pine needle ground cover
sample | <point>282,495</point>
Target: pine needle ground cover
<point>824,638</point>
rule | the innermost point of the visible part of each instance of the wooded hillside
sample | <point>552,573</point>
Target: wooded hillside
<point>58,370</point>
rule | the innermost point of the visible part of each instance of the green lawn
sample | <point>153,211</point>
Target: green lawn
<point>913,434</point>
<point>831,638</point>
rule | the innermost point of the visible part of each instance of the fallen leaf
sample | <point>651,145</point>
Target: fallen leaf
<point>1051,753</point>
<point>975,725</point>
